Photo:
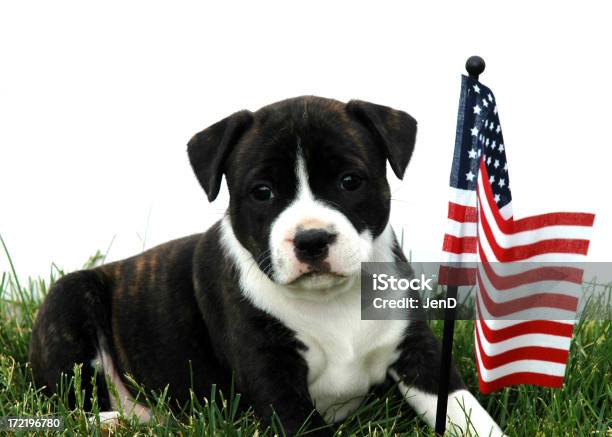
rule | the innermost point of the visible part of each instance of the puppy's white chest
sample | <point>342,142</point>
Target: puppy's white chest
<point>345,355</point>
<point>346,358</point>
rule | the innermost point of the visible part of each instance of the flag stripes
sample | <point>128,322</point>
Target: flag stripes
<point>534,351</point>
<point>524,315</point>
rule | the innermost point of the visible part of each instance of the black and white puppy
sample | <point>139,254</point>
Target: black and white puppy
<point>270,295</point>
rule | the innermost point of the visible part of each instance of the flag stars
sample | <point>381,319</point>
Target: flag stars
<point>485,131</point>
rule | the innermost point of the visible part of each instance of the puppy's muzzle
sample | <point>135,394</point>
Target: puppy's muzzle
<point>311,246</point>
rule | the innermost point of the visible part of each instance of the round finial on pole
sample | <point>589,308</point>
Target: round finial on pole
<point>475,65</point>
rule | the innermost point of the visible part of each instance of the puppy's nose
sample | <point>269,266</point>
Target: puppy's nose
<point>312,244</point>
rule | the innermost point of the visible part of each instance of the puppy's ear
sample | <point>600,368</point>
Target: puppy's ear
<point>209,149</point>
<point>395,130</point>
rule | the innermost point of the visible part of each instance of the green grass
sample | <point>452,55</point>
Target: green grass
<point>581,408</point>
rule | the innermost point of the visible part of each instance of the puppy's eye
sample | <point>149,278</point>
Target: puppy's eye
<point>350,182</point>
<point>262,193</point>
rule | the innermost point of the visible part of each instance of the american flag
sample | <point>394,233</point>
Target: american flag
<point>483,236</point>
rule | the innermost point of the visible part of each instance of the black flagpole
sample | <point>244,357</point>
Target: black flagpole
<point>475,65</point>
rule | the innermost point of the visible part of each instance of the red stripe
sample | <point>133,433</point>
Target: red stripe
<point>456,276</point>
<point>539,353</point>
<point>518,378</point>
<point>528,327</point>
<point>539,300</point>
<point>517,253</point>
<point>511,226</point>
<point>461,213</point>
<point>566,274</point>
<point>554,219</point>
<point>459,244</point>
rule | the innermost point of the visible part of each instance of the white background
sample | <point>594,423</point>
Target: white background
<point>97,103</point>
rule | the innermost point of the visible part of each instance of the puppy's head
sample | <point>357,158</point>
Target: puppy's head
<point>307,183</point>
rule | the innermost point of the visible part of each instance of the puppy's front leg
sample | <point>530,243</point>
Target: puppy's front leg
<point>294,410</point>
<point>417,373</point>
<point>274,380</point>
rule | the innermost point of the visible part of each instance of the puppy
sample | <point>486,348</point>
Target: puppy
<point>269,297</point>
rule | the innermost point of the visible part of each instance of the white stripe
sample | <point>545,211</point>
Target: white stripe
<point>460,257</point>
<point>542,340</point>
<point>506,211</point>
<point>541,287</point>
<point>461,230</point>
<point>565,258</point>
<point>485,246</point>
<point>462,197</point>
<point>534,366</point>
<point>528,237</point>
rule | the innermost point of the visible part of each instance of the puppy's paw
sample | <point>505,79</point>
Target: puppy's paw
<point>109,420</point>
